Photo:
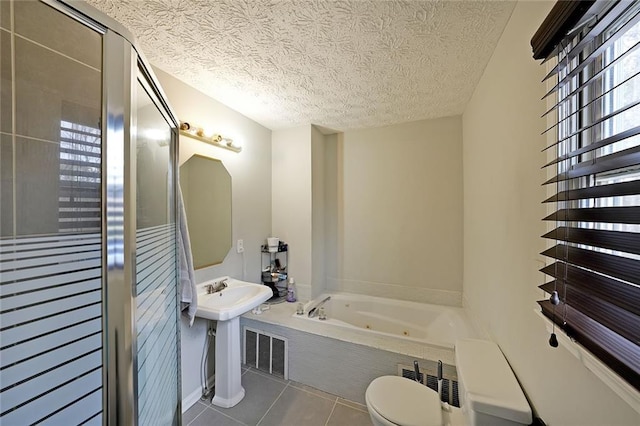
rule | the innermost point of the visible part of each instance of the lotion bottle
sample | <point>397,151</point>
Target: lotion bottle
<point>291,290</point>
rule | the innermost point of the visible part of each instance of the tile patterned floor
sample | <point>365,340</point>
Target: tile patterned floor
<point>270,401</point>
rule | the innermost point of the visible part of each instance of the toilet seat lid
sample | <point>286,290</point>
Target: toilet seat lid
<point>404,402</point>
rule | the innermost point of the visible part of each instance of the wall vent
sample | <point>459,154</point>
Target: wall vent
<point>266,352</point>
<point>449,385</point>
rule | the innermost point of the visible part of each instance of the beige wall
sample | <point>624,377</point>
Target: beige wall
<point>333,206</point>
<point>502,228</point>
<point>394,206</point>
<point>298,204</point>
<point>318,267</point>
<point>250,173</point>
<point>291,201</point>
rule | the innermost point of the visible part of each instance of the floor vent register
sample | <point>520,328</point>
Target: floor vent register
<point>266,352</point>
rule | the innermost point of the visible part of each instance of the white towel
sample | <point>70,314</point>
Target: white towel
<point>188,292</point>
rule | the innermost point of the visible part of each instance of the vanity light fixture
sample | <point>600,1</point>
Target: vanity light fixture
<point>203,135</point>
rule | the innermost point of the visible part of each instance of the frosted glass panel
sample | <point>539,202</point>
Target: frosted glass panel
<point>156,283</point>
<point>51,353</point>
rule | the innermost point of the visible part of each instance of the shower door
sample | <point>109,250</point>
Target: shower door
<point>88,293</point>
<point>51,236</point>
<point>156,254</point>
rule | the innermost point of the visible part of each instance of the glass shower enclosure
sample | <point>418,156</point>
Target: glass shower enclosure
<point>88,257</point>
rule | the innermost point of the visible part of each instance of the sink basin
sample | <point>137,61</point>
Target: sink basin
<point>239,297</point>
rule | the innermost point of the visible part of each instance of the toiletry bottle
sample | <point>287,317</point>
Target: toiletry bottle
<point>291,290</point>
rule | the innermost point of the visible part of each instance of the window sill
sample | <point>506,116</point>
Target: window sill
<point>624,390</point>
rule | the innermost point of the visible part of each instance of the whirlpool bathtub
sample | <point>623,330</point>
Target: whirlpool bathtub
<point>434,325</point>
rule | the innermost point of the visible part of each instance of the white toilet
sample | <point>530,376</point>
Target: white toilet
<point>489,394</point>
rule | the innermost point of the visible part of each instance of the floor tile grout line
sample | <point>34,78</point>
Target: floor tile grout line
<point>294,385</point>
<point>364,409</point>
<point>272,404</point>
<point>336,401</point>
<point>332,398</point>
<point>204,408</point>
<point>268,376</point>
<point>331,413</point>
<point>226,415</point>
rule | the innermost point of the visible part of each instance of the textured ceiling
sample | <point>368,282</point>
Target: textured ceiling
<point>338,64</point>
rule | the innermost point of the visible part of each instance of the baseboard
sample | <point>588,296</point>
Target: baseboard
<point>193,397</point>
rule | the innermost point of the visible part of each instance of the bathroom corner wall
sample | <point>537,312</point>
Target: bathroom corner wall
<point>298,197</point>
<point>502,224</point>
<point>318,266</point>
<point>394,211</point>
<point>332,157</point>
<point>291,194</point>
<point>250,173</point>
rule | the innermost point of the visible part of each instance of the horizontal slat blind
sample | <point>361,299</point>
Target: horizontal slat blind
<point>563,17</point>
<point>613,190</point>
<point>608,289</point>
<point>595,144</point>
<point>612,316</point>
<point>51,325</point>
<point>627,158</point>
<point>156,319</point>
<point>623,268</point>
<point>593,30</point>
<point>616,30</point>
<point>621,355</point>
<point>596,183</point>
<point>628,215</point>
<point>614,240</point>
<point>80,190</point>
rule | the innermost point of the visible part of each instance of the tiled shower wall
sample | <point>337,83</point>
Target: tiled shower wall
<point>58,79</point>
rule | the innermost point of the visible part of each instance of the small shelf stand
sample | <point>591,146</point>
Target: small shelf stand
<point>274,270</point>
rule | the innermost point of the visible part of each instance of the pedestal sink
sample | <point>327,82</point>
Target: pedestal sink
<point>226,306</point>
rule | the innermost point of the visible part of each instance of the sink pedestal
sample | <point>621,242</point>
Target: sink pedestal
<point>228,390</point>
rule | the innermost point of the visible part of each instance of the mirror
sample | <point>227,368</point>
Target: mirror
<point>206,191</point>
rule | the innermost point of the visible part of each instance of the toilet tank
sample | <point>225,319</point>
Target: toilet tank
<point>488,389</point>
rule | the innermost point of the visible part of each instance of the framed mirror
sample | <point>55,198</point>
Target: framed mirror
<point>206,191</point>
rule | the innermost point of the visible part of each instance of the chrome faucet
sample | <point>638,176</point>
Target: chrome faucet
<point>216,287</point>
<point>314,311</point>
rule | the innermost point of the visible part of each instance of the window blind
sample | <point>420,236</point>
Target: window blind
<point>80,190</point>
<point>594,266</point>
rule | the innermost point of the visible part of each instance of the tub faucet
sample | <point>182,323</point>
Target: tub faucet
<point>313,312</point>
<point>216,287</point>
<point>416,371</point>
